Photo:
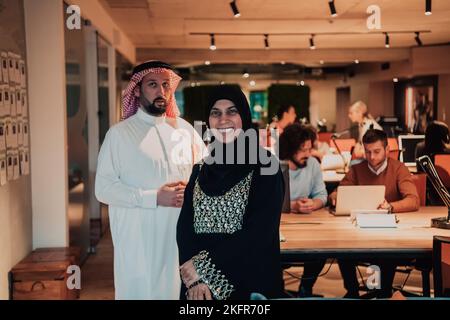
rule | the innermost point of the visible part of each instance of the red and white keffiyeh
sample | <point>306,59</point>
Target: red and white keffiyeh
<point>130,103</point>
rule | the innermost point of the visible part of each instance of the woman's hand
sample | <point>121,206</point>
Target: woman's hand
<point>199,292</point>
<point>188,273</point>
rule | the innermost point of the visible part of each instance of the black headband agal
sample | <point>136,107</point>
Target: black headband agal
<point>151,65</point>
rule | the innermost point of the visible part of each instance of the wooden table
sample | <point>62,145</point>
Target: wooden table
<point>320,235</point>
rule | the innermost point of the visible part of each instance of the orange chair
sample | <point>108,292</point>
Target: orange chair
<point>393,148</point>
<point>420,180</point>
<point>344,144</point>
<point>441,266</point>
<point>325,137</point>
<point>442,164</point>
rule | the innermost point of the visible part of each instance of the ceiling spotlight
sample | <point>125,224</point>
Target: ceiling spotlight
<point>386,40</point>
<point>222,82</point>
<point>395,80</point>
<point>356,61</point>
<point>302,83</point>
<point>235,9</point>
<point>428,7</point>
<point>332,8</point>
<point>207,62</point>
<point>321,62</point>
<point>266,41</point>
<point>311,43</point>
<point>252,83</point>
<point>417,38</point>
<point>213,42</point>
<point>283,62</point>
<point>245,74</point>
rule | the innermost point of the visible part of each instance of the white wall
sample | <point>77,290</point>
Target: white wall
<point>323,102</point>
<point>359,91</point>
<point>48,122</point>
<point>15,196</point>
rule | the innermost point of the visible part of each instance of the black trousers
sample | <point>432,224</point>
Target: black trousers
<point>311,271</point>
<point>351,284</point>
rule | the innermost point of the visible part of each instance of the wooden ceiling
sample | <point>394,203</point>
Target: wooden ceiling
<point>164,28</point>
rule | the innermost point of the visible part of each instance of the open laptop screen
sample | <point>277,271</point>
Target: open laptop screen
<point>407,145</point>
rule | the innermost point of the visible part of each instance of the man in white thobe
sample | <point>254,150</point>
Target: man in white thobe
<point>143,166</point>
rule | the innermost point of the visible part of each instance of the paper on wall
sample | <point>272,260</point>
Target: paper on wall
<point>24,103</point>
<point>12,101</point>
<point>2,136</point>
<point>14,133</point>
<point>18,101</point>
<point>23,74</point>
<point>2,108</point>
<point>16,165</point>
<point>9,165</point>
<point>6,103</point>
<point>26,132</point>
<point>5,76</point>
<point>20,131</point>
<point>11,69</point>
<point>3,178</point>
<point>17,59</point>
<point>8,131</point>
<point>25,169</point>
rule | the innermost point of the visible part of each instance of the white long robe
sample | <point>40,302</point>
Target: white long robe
<point>137,157</point>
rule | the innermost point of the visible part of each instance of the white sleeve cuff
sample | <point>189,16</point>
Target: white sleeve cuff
<point>148,198</point>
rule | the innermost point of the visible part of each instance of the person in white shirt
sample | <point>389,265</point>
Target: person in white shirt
<point>359,113</point>
<point>143,166</point>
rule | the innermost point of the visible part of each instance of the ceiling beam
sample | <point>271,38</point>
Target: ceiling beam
<point>300,56</point>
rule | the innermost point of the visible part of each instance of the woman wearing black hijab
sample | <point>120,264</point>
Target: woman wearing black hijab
<point>228,229</point>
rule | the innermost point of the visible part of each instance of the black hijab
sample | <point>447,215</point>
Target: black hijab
<point>216,179</point>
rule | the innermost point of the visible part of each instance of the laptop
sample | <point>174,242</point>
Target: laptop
<point>357,198</point>
<point>407,145</point>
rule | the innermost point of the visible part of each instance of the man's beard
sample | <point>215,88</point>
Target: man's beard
<point>152,108</point>
<point>298,164</point>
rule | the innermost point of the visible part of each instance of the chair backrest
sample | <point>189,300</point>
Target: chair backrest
<point>325,136</point>
<point>420,180</point>
<point>441,266</point>
<point>344,144</point>
<point>394,152</point>
<point>442,164</point>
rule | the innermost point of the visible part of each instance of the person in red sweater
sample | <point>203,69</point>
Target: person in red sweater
<point>401,196</point>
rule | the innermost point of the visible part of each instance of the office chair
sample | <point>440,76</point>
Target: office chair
<point>441,266</point>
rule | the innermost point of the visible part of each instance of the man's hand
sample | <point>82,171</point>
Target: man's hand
<point>199,292</point>
<point>294,206</point>
<point>305,205</point>
<point>332,199</point>
<point>188,273</point>
<point>171,194</point>
<point>385,205</point>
